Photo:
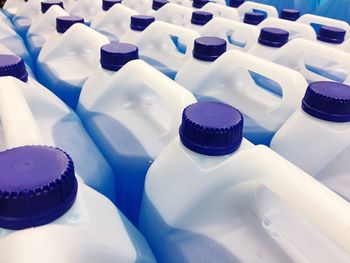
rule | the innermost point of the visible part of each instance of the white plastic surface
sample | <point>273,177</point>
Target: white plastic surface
<point>114,23</point>
<point>237,35</point>
<point>140,6</point>
<point>321,148</point>
<point>25,122</point>
<point>249,6</point>
<point>86,9</point>
<point>220,10</point>
<point>228,80</point>
<point>11,6</point>
<point>174,14</point>
<point>296,30</point>
<point>320,20</point>
<point>251,206</point>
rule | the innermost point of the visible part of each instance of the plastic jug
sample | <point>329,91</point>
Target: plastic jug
<point>316,137</point>
<point>204,201</point>
<point>238,35</point>
<point>86,9</point>
<point>290,14</point>
<point>30,12</point>
<point>132,116</point>
<point>302,55</point>
<point>253,18</point>
<point>114,23</point>
<point>174,14</point>
<point>58,125</point>
<point>10,39</point>
<point>42,29</point>
<point>247,6</point>
<point>49,216</point>
<point>228,79</point>
<point>140,6</point>
<point>11,7</point>
<point>67,60</point>
<point>157,47</point>
<point>138,23</point>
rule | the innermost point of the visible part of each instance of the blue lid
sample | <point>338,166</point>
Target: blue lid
<point>158,4</point>
<point>208,48</point>
<point>328,101</point>
<point>290,14</point>
<point>201,17</point>
<point>253,18</point>
<point>211,128</point>
<point>45,5</point>
<point>115,55</point>
<point>273,37</point>
<point>199,3</point>
<point>330,34</point>
<point>37,186</point>
<point>63,23</point>
<point>107,4</point>
<point>12,65</point>
<point>236,3</point>
<point>141,22</point>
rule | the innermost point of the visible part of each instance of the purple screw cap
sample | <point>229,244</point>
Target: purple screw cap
<point>201,18</point>
<point>209,48</point>
<point>330,34</point>
<point>199,3</point>
<point>63,23</point>
<point>273,37</point>
<point>114,56</point>
<point>107,4</point>
<point>141,22</point>
<point>12,65</point>
<point>37,186</point>
<point>253,18</point>
<point>45,5</point>
<point>236,3</point>
<point>328,101</point>
<point>211,128</point>
<point>290,14</point>
<point>158,4</point>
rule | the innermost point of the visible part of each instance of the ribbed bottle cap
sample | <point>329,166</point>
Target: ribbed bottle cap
<point>211,128</point>
<point>253,18</point>
<point>290,14</point>
<point>115,55</point>
<point>199,3</point>
<point>63,23</point>
<point>12,65</point>
<point>209,48</point>
<point>37,186</point>
<point>328,101</point>
<point>236,3</point>
<point>158,4</point>
<point>141,22</point>
<point>273,37</point>
<point>107,4</point>
<point>330,34</point>
<point>201,17</point>
<point>45,5</point>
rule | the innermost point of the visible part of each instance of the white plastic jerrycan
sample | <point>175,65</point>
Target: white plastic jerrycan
<point>290,14</point>
<point>248,6</point>
<point>305,56</point>
<point>47,215</point>
<point>228,79</point>
<point>137,24</point>
<point>30,12</point>
<point>114,23</point>
<point>67,60</point>
<point>220,10</point>
<point>157,46</point>
<point>316,137</point>
<point>140,6</point>
<point>211,196</point>
<point>11,7</point>
<point>238,35</point>
<point>174,14</point>
<point>295,30</point>
<point>58,125</point>
<point>42,29</point>
<point>132,115</point>
<point>10,39</point>
<point>86,9</point>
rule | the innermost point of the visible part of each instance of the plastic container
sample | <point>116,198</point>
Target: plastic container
<point>86,9</point>
<point>316,137</point>
<point>45,120</point>
<point>114,23</point>
<point>174,14</point>
<point>42,29</point>
<point>132,116</point>
<point>205,201</point>
<point>228,79</point>
<point>51,217</point>
<point>67,60</point>
<point>157,46</point>
<point>220,10</point>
